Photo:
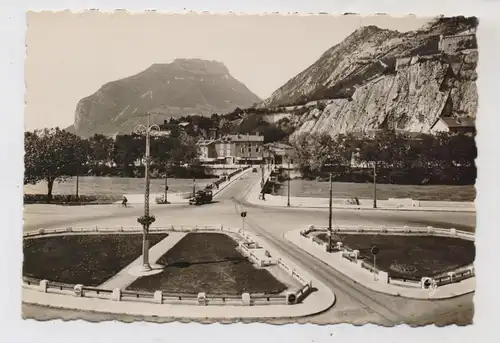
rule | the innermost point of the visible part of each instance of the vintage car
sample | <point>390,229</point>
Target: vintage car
<point>201,197</point>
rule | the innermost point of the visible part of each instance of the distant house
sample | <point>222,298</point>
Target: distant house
<point>237,149</point>
<point>279,153</point>
<point>465,125</point>
<point>208,153</point>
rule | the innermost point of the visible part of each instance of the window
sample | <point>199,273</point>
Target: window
<point>257,149</point>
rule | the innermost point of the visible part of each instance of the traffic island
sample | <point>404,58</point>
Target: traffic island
<point>419,263</point>
<point>89,259</point>
<point>202,262</point>
<point>211,272</point>
<point>408,257</point>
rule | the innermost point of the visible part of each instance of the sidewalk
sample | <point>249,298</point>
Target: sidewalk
<point>365,204</point>
<point>124,278</point>
<point>366,279</point>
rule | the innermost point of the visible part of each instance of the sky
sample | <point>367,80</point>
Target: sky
<point>71,55</point>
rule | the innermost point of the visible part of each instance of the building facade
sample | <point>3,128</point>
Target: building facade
<point>232,149</point>
<point>465,125</point>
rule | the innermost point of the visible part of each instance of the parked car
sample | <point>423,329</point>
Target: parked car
<point>254,170</point>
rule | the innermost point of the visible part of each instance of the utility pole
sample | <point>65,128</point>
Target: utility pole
<point>288,203</point>
<point>166,183</point>
<point>330,215</point>
<point>77,182</point>
<point>374,184</point>
<point>78,173</point>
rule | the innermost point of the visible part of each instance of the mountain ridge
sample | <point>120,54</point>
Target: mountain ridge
<point>185,86</point>
<point>375,77</point>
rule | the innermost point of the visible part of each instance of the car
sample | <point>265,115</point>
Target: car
<point>201,197</point>
<point>254,170</point>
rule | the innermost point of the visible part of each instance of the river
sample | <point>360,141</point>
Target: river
<point>317,189</point>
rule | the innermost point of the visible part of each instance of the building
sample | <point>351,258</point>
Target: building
<point>279,153</point>
<point>465,125</point>
<point>232,149</point>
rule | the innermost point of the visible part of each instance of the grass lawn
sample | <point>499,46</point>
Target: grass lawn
<point>82,259</point>
<point>411,256</point>
<point>208,262</point>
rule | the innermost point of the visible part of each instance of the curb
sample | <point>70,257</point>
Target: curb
<point>422,209</point>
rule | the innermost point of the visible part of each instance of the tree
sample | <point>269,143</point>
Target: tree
<point>100,149</point>
<point>52,155</point>
<point>127,149</point>
<point>30,163</point>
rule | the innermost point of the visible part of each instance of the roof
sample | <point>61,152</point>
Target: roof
<point>277,145</point>
<point>184,124</point>
<point>243,138</point>
<point>205,142</point>
<point>459,122</point>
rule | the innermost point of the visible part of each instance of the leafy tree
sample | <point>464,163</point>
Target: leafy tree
<point>127,149</point>
<point>30,163</point>
<point>52,155</point>
<point>100,149</point>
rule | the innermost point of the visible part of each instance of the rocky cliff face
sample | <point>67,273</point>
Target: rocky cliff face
<point>379,78</point>
<point>183,87</point>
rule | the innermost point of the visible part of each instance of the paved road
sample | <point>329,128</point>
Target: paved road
<point>355,304</point>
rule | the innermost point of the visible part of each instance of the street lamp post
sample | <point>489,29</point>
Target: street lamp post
<point>330,215</point>
<point>146,220</point>
<point>374,184</point>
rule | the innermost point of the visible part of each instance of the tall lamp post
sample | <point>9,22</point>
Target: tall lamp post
<point>146,220</point>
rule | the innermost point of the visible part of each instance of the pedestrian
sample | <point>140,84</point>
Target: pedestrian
<point>217,185</point>
<point>124,201</point>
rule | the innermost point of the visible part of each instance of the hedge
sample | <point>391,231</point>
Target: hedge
<point>70,199</point>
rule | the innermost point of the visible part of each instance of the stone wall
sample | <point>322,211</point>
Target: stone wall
<point>453,44</point>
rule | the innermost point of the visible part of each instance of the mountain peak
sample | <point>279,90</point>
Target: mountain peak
<point>192,65</point>
<point>182,87</point>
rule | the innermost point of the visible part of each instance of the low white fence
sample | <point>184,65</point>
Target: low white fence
<point>248,246</point>
<point>351,255</point>
<point>401,230</point>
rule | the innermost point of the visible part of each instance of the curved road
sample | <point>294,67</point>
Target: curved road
<point>355,303</point>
